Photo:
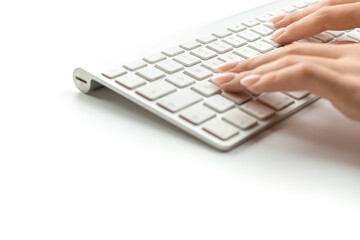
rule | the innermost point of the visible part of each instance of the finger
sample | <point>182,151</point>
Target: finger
<point>309,49</point>
<point>339,17</point>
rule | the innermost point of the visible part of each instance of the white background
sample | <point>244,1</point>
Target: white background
<point>76,166</point>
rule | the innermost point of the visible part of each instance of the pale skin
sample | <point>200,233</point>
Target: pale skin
<point>330,70</point>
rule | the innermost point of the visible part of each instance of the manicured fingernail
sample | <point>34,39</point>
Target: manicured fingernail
<point>225,77</point>
<point>277,33</point>
<point>250,80</point>
<point>227,65</point>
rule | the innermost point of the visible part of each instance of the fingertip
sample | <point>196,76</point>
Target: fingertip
<point>226,66</point>
<point>277,18</point>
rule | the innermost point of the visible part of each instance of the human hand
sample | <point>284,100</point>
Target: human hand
<point>330,71</point>
<point>325,15</point>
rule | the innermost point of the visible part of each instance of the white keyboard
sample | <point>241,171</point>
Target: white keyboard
<point>176,84</point>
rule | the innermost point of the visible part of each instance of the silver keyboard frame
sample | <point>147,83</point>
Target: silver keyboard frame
<point>89,78</point>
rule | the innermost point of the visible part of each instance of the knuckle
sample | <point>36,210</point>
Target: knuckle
<point>323,12</point>
<point>305,69</point>
<point>328,2</point>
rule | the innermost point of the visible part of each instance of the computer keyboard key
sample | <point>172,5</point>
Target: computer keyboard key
<point>221,129</point>
<point>271,42</point>
<point>275,100</point>
<point>206,89</point>
<point>179,100</point>
<point>198,72</point>
<point>180,80</point>
<point>238,98</point>
<point>154,58</point>
<point>206,39</point>
<point>187,59</point>
<point>261,46</point>
<point>300,4</point>
<point>171,52</point>
<point>212,64</point>
<point>115,72</point>
<point>246,52</point>
<point>130,81</point>
<point>237,28</point>
<point>324,37</point>
<point>240,119</point>
<point>222,33</point>
<point>298,94</point>
<point>169,66</point>
<point>251,22</point>
<point>289,9</point>
<point>156,90</point>
<point>257,110</point>
<point>135,65</point>
<point>249,35</point>
<point>150,73</point>
<point>262,30</point>
<point>203,53</point>
<point>335,33</point>
<point>264,18</point>
<point>234,41</point>
<point>219,47</point>
<point>346,39</point>
<point>230,57</point>
<point>219,103</point>
<point>354,35</point>
<point>197,114</point>
<point>190,45</point>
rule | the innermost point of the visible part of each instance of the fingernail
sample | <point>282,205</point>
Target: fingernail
<point>227,65</point>
<point>250,80</point>
<point>225,77</point>
<point>277,33</point>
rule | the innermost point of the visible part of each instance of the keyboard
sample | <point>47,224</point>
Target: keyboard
<point>175,81</point>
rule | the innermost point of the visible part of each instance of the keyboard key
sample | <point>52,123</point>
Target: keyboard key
<point>289,9</point>
<point>190,45</point>
<point>234,41</point>
<point>203,53</point>
<point>212,64</point>
<point>221,129</point>
<point>354,35</point>
<point>309,40</point>
<point>171,52</point>
<point>298,94</point>
<point>169,66</point>
<point>219,47</point>
<point>155,58</point>
<point>238,98</point>
<point>240,119</point>
<point>130,81</point>
<point>219,103</point>
<point>115,72</point>
<point>150,73</point>
<point>265,17</point>
<point>262,30</point>
<point>197,114</point>
<point>222,33</point>
<point>257,110</point>
<point>237,28</point>
<point>135,65</point>
<point>346,38</point>
<point>324,37</point>
<point>246,52</point>
<point>270,25</point>
<point>335,33</point>
<point>271,42</point>
<point>311,1</point>
<point>300,4</point>
<point>251,22</point>
<point>180,80</point>
<point>275,100</point>
<point>230,57</point>
<point>206,39</point>
<point>156,90</point>
<point>179,100</point>
<point>187,59</point>
<point>198,72</point>
<point>206,89</point>
<point>261,46</point>
<point>249,35</point>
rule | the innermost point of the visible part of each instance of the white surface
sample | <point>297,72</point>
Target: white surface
<point>77,166</point>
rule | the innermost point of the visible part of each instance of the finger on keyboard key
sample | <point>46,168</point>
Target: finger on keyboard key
<point>246,52</point>
<point>219,47</point>
<point>190,45</point>
<point>206,89</point>
<point>135,65</point>
<point>206,39</point>
<point>180,80</point>
<point>203,53</point>
<point>271,42</point>
<point>171,52</point>
<point>240,119</point>
<point>187,59</point>
<point>179,100</point>
<point>238,98</point>
<point>221,129</point>
<point>298,94</point>
<point>198,72</point>
<point>275,100</point>
<point>156,90</point>
<point>169,66</point>
<point>155,58</point>
<point>219,103</point>
<point>197,114</point>
<point>212,64</point>
<point>150,73</point>
<point>130,81</point>
<point>115,72</point>
<point>257,110</point>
